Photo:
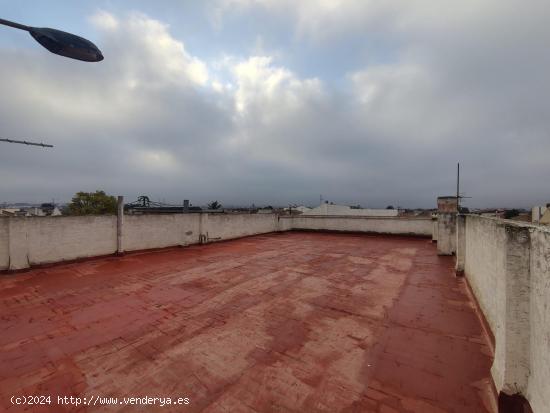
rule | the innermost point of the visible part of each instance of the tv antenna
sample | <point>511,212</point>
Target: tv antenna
<point>458,196</point>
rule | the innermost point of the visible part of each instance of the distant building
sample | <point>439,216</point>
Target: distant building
<point>35,212</point>
<point>44,210</point>
<point>494,213</point>
<point>50,209</point>
<point>344,210</point>
<point>31,211</point>
<point>9,212</point>
<point>297,210</point>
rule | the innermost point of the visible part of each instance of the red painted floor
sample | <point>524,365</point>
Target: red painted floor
<point>294,322</point>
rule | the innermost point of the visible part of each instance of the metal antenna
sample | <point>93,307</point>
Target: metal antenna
<point>44,145</point>
<point>458,186</point>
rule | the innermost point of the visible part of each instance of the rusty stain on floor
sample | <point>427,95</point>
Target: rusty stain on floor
<point>293,322</point>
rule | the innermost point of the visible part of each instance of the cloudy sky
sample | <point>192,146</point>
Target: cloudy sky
<point>278,101</point>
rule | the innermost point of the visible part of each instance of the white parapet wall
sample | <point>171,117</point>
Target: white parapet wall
<point>4,244</point>
<point>377,225</point>
<point>229,226</point>
<point>142,232</point>
<point>29,241</point>
<point>507,265</point>
<point>538,388</point>
<point>484,268</point>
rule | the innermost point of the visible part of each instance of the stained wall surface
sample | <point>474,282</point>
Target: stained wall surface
<point>43,240</point>
<point>538,389</point>
<point>446,233</point>
<point>484,267</point>
<point>507,265</point>
<point>379,225</point>
<point>229,226</point>
<point>141,232</point>
<point>4,244</point>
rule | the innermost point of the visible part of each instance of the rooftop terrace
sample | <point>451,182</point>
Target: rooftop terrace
<point>289,322</point>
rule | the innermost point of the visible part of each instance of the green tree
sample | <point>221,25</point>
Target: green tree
<point>92,203</point>
<point>511,213</point>
<point>214,205</point>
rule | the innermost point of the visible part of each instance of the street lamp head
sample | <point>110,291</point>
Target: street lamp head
<point>66,44</point>
<point>61,43</point>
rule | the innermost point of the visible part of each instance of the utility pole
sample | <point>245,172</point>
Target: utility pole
<point>44,145</point>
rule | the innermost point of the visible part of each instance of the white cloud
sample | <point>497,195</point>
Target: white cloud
<point>104,20</point>
<point>162,57</point>
<point>268,89</point>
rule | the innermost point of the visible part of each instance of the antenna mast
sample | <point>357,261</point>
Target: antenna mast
<point>458,187</point>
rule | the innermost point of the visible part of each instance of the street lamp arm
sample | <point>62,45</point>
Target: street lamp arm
<point>16,25</point>
<point>44,145</point>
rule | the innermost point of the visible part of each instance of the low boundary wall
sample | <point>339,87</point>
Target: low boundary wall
<point>376,225</point>
<point>507,265</point>
<point>30,241</point>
